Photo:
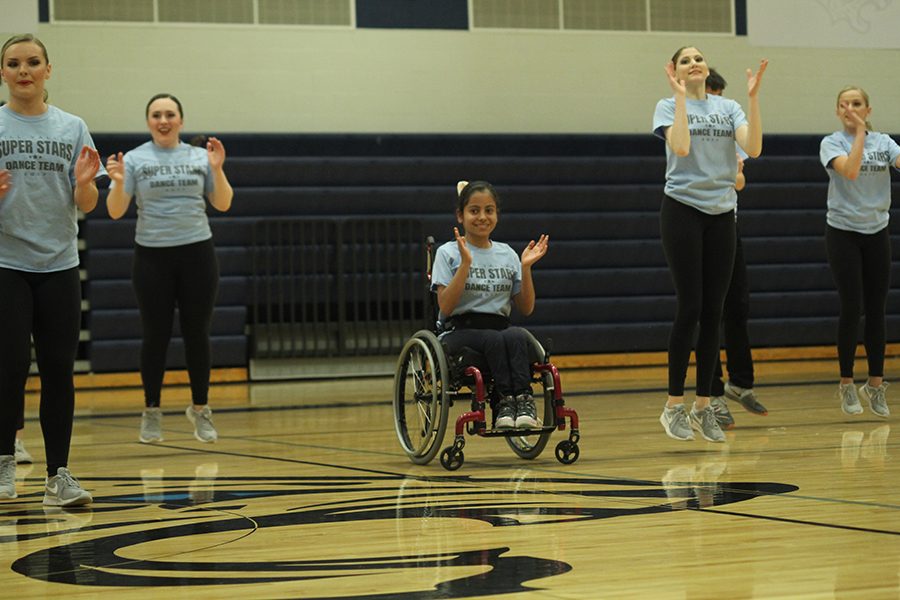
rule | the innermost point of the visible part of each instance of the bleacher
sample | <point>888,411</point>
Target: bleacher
<point>604,286</point>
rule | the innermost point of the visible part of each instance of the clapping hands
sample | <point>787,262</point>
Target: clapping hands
<point>535,251</point>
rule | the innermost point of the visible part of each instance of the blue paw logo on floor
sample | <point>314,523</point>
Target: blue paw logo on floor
<point>181,531</point>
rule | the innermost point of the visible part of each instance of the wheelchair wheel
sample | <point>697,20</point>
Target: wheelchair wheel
<point>567,452</point>
<point>531,446</point>
<point>421,404</point>
<point>452,459</point>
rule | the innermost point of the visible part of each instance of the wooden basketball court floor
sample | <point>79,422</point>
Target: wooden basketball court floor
<point>307,495</point>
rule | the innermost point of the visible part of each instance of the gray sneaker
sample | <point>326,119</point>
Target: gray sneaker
<point>849,400</point>
<point>64,490</point>
<point>746,397</point>
<point>203,425</point>
<point>526,414</point>
<point>151,425</point>
<point>723,415</point>
<point>22,455</point>
<point>506,413</point>
<point>675,421</point>
<point>705,422</point>
<point>875,397</point>
<point>7,476</point>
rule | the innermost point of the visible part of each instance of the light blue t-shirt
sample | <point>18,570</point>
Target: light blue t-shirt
<point>704,179</point>
<point>38,215</point>
<point>169,186</point>
<point>861,205</point>
<point>495,276</point>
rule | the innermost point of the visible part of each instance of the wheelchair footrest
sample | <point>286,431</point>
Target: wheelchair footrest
<point>517,432</point>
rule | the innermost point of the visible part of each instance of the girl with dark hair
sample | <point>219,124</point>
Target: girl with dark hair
<point>48,174</point>
<point>476,280</point>
<point>174,257</point>
<point>858,163</point>
<point>697,223</point>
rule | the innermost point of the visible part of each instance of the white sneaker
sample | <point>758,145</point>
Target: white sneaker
<point>203,425</point>
<point>675,421</point>
<point>151,425</point>
<point>849,400</point>
<point>7,476</point>
<point>875,397</point>
<point>22,455</point>
<point>64,490</point>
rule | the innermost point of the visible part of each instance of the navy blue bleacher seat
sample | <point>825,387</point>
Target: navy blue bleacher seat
<point>603,287</point>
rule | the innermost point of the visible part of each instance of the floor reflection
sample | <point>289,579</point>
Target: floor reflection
<point>871,447</point>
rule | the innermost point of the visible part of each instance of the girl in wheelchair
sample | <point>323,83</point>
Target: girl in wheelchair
<point>476,281</point>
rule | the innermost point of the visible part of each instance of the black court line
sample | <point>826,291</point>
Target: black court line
<point>465,479</point>
<point>492,465</point>
<point>799,521</point>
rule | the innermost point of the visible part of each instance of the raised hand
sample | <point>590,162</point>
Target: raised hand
<point>534,251</point>
<point>858,120</point>
<point>215,150</point>
<point>677,85</point>
<point>86,166</point>
<point>753,81</point>
<point>5,182</point>
<point>115,167</point>
<point>464,252</point>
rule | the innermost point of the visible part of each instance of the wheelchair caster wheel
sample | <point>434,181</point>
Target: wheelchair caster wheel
<point>452,459</point>
<point>566,452</point>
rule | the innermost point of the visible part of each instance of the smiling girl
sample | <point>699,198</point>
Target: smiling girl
<point>697,224</point>
<point>477,280</point>
<point>47,169</point>
<point>174,257</point>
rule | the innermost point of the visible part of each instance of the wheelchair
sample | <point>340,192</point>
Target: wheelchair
<point>428,381</point>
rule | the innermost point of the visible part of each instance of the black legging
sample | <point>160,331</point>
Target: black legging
<point>163,277</point>
<point>46,306</point>
<point>861,266</point>
<point>735,313</point>
<point>700,251</point>
<point>506,352</point>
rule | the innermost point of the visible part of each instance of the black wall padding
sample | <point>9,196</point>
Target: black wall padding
<point>604,286</point>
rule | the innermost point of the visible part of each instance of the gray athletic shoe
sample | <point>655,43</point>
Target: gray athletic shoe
<point>746,397</point>
<point>7,476</point>
<point>849,399</point>
<point>64,490</point>
<point>526,414</point>
<point>22,455</point>
<point>506,413</point>
<point>705,422</point>
<point>723,415</point>
<point>875,397</point>
<point>675,421</point>
<point>151,425</point>
<point>203,425</point>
